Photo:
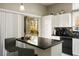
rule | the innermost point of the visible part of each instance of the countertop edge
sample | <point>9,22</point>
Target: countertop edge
<point>60,41</point>
<point>66,36</point>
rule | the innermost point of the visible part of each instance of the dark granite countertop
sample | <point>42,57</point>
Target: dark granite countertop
<point>69,36</point>
<point>42,43</point>
<point>74,34</point>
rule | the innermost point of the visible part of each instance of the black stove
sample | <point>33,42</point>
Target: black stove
<point>66,35</point>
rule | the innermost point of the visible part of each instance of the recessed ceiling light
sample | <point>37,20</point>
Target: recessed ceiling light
<point>22,7</point>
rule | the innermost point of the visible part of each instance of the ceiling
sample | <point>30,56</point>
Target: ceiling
<point>47,4</point>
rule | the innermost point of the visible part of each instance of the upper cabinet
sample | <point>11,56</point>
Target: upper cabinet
<point>75,6</point>
<point>63,20</point>
<point>75,18</point>
<point>11,25</point>
<point>49,22</point>
<point>56,20</point>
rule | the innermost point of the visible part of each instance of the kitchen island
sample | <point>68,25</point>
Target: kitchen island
<point>43,46</point>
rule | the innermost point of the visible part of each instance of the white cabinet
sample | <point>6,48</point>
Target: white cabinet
<point>46,26</point>
<point>49,22</point>
<point>2,32</point>
<point>75,19</point>
<point>52,51</point>
<point>11,25</point>
<point>63,20</point>
<point>56,20</point>
<point>75,46</point>
<point>75,6</point>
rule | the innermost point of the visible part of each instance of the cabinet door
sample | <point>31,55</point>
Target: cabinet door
<point>75,46</point>
<point>0,37</point>
<point>68,22</point>
<point>14,25</point>
<point>2,32</point>
<point>75,18</point>
<point>57,19</point>
<point>20,25</point>
<point>65,20</point>
<point>75,6</point>
<point>9,25</point>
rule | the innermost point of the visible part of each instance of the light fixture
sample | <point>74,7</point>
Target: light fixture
<point>22,7</point>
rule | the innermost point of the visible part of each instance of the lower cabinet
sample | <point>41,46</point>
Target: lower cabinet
<point>75,47</point>
<point>20,44</point>
<point>52,51</point>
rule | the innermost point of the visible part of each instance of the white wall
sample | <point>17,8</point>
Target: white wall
<point>32,8</point>
<point>46,26</point>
